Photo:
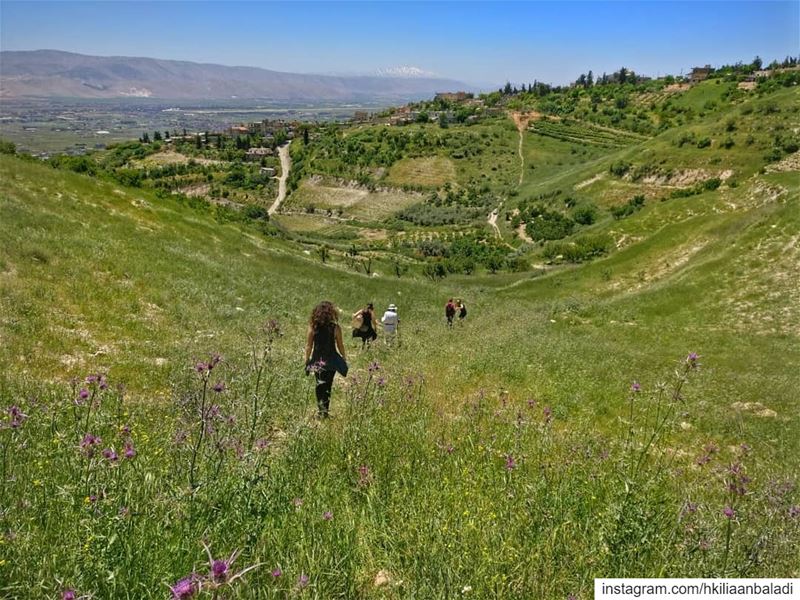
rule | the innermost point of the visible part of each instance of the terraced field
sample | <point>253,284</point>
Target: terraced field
<point>586,133</point>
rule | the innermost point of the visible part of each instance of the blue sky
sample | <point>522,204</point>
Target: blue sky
<point>471,41</point>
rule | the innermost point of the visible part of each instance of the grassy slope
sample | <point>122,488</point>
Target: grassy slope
<point>95,277</point>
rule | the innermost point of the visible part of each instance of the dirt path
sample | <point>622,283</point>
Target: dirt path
<point>286,164</point>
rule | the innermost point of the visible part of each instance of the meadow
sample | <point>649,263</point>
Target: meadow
<point>630,416</point>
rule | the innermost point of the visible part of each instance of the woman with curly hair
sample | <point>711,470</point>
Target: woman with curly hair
<point>323,339</point>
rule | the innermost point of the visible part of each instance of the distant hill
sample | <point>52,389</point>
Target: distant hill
<point>52,73</point>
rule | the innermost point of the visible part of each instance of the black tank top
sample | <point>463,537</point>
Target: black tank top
<point>324,345</point>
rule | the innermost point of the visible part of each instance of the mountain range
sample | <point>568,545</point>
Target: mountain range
<point>53,73</point>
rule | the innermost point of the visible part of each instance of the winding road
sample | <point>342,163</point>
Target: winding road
<point>286,164</point>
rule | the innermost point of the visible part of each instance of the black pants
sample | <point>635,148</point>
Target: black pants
<point>324,383</point>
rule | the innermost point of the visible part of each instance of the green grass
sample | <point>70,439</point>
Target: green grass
<point>95,277</point>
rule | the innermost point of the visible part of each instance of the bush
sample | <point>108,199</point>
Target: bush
<point>585,214</point>
<point>619,168</point>
<point>633,205</point>
<point>549,225</point>
<point>704,142</point>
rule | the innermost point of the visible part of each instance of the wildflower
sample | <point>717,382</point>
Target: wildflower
<point>450,449</point>
<point>690,508</point>
<point>83,394</point>
<point>636,387</point>
<point>548,414</point>
<point>185,588</point>
<point>91,379</point>
<point>794,511</point>
<point>88,443</point>
<point>510,462</point>
<point>219,570</point>
<point>327,515</point>
<point>262,443</point>
<point>302,580</point>
<point>102,383</point>
<point>381,381</point>
<point>531,403</point>
<point>124,511</point>
<point>729,512</point>
<point>364,475</point>
<point>92,499</point>
<point>744,448</point>
<point>704,545</point>
<point>110,455</point>
<point>68,595</point>
<point>276,572</point>
<point>219,387</point>
<point>374,366</point>
<point>572,597</point>
<point>125,430</point>
<point>130,451</point>
<point>692,360</point>
<point>466,589</point>
<point>215,360</point>
<point>201,367</point>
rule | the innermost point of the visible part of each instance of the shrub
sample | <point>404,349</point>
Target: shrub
<point>586,214</point>
<point>619,168</point>
<point>633,205</point>
<point>549,225</point>
<point>704,142</point>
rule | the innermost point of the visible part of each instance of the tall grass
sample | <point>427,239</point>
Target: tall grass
<point>394,497</point>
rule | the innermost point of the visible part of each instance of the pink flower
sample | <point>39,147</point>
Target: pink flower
<point>327,515</point>
<point>729,512</point>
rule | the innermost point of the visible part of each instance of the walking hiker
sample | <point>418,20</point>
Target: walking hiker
<point>321,358</point>
<point>391,323</point>
<point>450,312</point>
<point>364,325</point>
<point>462,311</point>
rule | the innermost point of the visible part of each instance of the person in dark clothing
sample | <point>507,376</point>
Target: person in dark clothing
<point>450,312</point>
<point>322,342</point>
<point>367,328</point>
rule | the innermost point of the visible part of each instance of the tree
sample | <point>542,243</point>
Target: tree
<point>197,142</point>
<point>156,136</point>
<point>305,140</point>
<point>507,89</point>
<point>494,261</point>
<point>589,79</point>
<point>757,63</point>
<point>323,252</point>
<point>434,270</point>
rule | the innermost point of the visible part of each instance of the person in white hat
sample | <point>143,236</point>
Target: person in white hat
<point>390,322</point>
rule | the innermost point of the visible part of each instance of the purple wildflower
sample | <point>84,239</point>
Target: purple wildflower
<point>215,360</point>
<point>364,475</point>
<point>262,443</point>
<point>636,386</point>
<point>201,367</point>
<point>185,588</point>
<point>450,449</point>
<point>690,508</point>
<point>125,430</point>
<point>83,394</point>
<point>729,512</point>
<point>276,572</point>
<point>548,414</point>
<point>302,580</point>
<point>703,460</point>
<point>692,360</point>
<point>794,511</point>
<point>327,515</point>
<point>510,462</point>
<point>374,366</point>
<point>110,455</point>
<point>68,595</point>
<point>130,451</point>
<point>92,379</point>
<point>219,387</point>
<point>219,570</point>
<point>102,383</point>
<point>381,381</point>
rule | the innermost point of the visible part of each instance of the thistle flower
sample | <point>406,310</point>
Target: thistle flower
<point>692,360</point>
<point>374,366</point>
<point>510,462</point>
<point>185,588</point>
<point>302,581</point>
<point>276,572</point>
<point>83,394</point>
<point>219,387</point>
<point>728,512</point>
<point>327,515</point>
<point>68,595</point>
<point>548,414</point>
<point>130,451</point>
<point>381,381</point>
<point>219,570</point>
<point>110,455</point>
<point>636,387</point>
<point>794,511</point>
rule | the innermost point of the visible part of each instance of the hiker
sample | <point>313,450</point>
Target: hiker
<point>364,325</point>
<point>450,312</point>
<point>391,323</point>
<point>323,339</point>
<point>462,311</point>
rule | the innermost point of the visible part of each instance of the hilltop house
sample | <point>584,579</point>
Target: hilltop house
<point>453,96</point>
<point>238,130</point>
<point>699,74</point>
<point>256,154</point>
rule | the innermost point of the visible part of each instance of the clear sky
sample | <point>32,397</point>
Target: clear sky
<point>487,42</point>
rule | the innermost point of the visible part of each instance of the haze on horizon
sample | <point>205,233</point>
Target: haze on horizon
<point>481,42</point>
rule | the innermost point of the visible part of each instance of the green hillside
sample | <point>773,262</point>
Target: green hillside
<point>567,430</point>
